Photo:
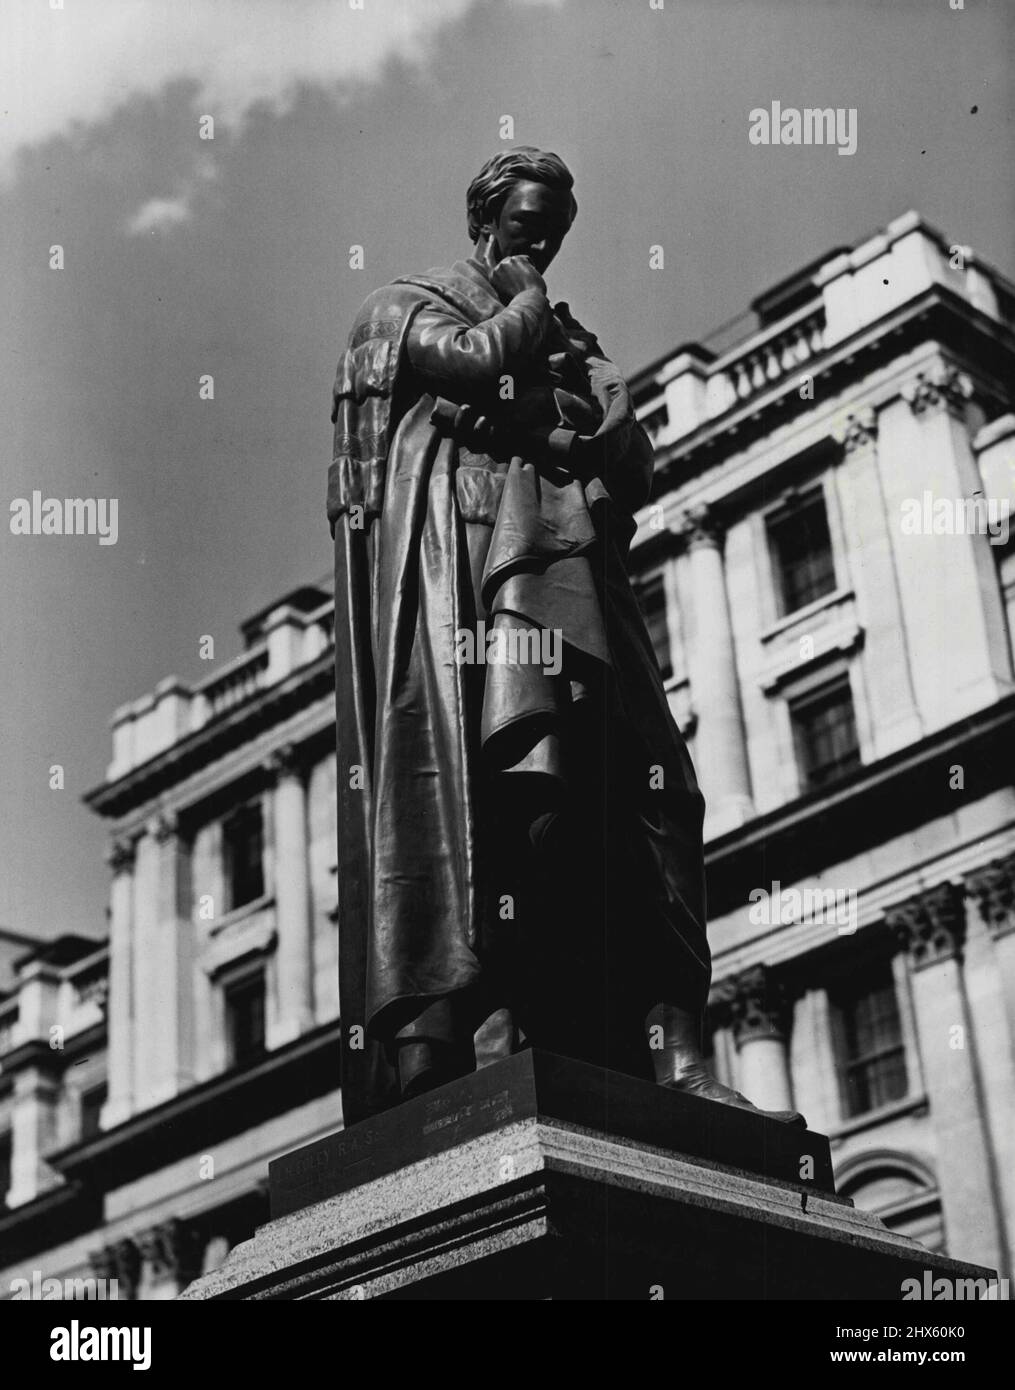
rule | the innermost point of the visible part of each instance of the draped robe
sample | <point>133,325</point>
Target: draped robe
<point>509,836</point>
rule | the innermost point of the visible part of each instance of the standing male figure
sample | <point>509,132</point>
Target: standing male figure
<point>519,845</point>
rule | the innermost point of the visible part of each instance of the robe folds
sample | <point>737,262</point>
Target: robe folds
<point>513,834</point>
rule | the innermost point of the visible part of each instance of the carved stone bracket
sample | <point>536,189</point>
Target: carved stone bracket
<point>940,387</point>
<point>165,826</point>
<point>754,1003</point>
<point>172,1249</point>
<point>858,428</point>
<point>284,761</point>
<point>698,526</point>
<point>993,887</point>
<point>930,926</point>
<point>121,855</point>
<point>122,1262</point>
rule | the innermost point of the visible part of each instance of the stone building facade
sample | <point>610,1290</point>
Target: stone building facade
<point>830,586</point>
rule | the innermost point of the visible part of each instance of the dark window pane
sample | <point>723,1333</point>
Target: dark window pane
<point>245,1019</point>
<point>5,1167</point>
<point>802,549</point>
<point>873,1061</point>
<point>91,1109</point>
<point>824,728</point>
<point>655,421</point>
<point>652,599</point>
<point>243,838</point>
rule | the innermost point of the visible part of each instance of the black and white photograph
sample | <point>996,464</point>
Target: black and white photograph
<point>508,695</point>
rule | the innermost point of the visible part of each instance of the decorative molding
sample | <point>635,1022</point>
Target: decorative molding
<point>173,1249</point>
<point>993,887</point>
<point>121,854</point>
<point>698,525</point>
<point>284,761</point>
<point>754,1004</point>
<point>164,827</point>
<point>930,926</point>
<point>942,386</point>
<point>122,1262</point>
<point>858,429</point>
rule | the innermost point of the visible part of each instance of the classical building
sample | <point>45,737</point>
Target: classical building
<point>828,579</point>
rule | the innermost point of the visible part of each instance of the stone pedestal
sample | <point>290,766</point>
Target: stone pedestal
<point>543,1178</point>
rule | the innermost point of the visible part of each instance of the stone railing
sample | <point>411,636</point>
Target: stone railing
<point>767,356</point>
<point>235,684</point>
<point>8,1023</point>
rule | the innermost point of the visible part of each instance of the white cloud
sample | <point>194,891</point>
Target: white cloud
<point>159,214</point>
<point>65,69</point>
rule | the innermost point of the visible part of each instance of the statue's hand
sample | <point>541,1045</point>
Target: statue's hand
<point>514,274</point>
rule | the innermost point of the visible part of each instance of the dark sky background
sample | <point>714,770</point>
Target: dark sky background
<point>230,257</point>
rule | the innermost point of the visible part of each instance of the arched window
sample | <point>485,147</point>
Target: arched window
<point>898,1188</point>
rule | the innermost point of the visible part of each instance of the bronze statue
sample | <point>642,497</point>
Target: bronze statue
<point>519,838</point>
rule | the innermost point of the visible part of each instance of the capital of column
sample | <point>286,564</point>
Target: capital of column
<point>856,429</point>
<point>171,1248</point>
<point>121,854</point>
<point>940,387</point>
<point>993,887</point>
<point>755,1004</point>
<point>284,761</point>
<point>164,826</point>
<point>698,526</point>
<point>122,1262</point>
<point>931,926</point>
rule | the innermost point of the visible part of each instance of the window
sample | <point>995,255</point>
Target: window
<point>652,600</point>
<point>872,1056</point>
<point>824,731</point>
<point>243,843</point>
<point>5,1167</point>
<point>91,1110</point>
<point>245,1018</point>
<point>655,421</point>
<point>802,550</point>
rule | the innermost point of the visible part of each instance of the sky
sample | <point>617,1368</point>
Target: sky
<point>361,122</point>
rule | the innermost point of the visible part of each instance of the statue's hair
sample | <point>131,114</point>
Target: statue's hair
<point>488,191</point>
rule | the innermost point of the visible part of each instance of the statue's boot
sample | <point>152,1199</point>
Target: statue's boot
<point>680,1064</point>
<point>423,1066</point>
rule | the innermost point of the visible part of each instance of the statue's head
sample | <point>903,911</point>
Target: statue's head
<point>520,204</point>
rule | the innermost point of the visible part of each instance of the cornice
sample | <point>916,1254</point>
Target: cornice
<point>954,320</point>
<point>234,729</point>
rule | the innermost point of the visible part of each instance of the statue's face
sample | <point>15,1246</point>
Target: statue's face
<point>533,222</point>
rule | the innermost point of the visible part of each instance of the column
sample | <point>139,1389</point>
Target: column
<point>170,1259</point>
<point>953,617</point>
<point>871,566</point>
<point>931,927</point>
<point>120,1014</point>
<point>34,1064</point>
<point>992,999</point>
<point>33,1133</point>
<point>122,1262</point>
<point>759,1012</point>
<point>163,965</point>
<point>293,919</point>
<point>720,748</point>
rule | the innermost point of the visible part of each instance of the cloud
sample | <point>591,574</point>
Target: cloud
<point>159,214</point>
<point>63,70</point>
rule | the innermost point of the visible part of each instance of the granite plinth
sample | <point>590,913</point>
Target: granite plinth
<point>540,1178</point>
<point>540,1084</point>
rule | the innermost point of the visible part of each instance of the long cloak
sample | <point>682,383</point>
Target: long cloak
<point>471,795</point>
